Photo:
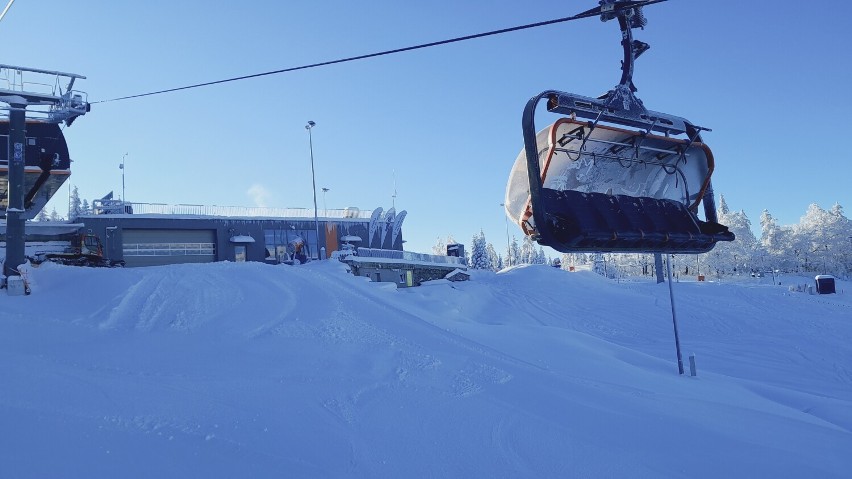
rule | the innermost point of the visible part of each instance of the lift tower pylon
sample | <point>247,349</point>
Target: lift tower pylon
<point>32,97</point>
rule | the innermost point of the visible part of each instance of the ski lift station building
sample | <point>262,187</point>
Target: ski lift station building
<point>144,234</point>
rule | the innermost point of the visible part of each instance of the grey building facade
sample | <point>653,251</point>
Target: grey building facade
<point>159,239</point>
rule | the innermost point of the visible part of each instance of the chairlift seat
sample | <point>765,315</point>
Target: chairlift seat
<point>598,222</point>
<point>612,175</point>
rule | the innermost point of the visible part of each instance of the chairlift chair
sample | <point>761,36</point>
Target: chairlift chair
<point>613,176</point>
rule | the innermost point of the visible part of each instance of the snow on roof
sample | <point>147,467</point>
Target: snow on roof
<point>46,228</point>
<point>242,239</point>
<point>456,272</point>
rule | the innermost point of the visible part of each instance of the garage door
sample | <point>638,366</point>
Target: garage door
<point>163,246</point>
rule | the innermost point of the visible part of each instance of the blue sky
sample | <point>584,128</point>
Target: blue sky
<point>771,80</point>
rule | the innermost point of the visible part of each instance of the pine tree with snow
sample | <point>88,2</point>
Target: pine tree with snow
<point>738,256</point>
<point>495,263</point>
<point>820,240</point>
<point>722,209</point>
<point>440,248</point>
<point>42,216</point>
<point>528,253</point>
<point>541,257</point>
<point>86,209</point>
<point>768,230</point>
<point>478,252</point>
<point>54,216</point>
<point>75,208</point>
<point>513,253</point>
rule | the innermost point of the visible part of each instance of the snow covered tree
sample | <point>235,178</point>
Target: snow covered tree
<point>541,257</point>
<point>722,209</point>
<point>75,207</point>
<point>440,248</point>
<point>86,209</point>
<point>567,261</point>
<point>528,253</point>
<point>42,216</point>
<point>775,244</point>
<point>768,231</point>
<point>54,216</point>
<point>513,253</point>
<point>478,252</point>
<point>820,240</point>
<point>495,262</point>
<point>736,256</point>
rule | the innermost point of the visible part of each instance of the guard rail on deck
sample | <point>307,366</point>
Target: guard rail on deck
<point>101,207</point>
<point>408,256</point>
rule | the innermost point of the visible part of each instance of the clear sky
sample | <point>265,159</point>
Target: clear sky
<point>770,78</point>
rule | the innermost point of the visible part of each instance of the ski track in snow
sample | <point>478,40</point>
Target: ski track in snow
<point>263,369</point>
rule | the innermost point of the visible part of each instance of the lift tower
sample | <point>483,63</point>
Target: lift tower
<point>39,100</point>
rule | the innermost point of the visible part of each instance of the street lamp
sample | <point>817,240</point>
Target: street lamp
<point>508,245</point>
<point>308,127</point>
<point>121,167</point>
<point>324,207</point>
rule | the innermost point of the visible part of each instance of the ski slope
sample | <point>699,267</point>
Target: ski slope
<point>252,370</point>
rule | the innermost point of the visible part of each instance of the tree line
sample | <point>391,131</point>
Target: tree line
<point>76,207</point>
<point>821,243</point>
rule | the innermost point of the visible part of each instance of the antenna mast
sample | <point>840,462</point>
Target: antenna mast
<point>393,196</point>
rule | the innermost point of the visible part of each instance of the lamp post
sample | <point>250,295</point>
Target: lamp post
<point>324,207</point>
<point>508,245</point>
<point>309,127</point>
<point>121,167</point>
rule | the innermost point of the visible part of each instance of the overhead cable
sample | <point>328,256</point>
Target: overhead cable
<point>589,13</point>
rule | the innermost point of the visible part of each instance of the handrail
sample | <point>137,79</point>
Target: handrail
<point>124,207</point>
<point>409,256</point>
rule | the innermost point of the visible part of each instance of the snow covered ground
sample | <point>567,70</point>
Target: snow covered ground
<point>252,370</point>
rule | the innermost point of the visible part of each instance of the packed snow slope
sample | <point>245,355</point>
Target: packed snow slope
<point>252,370</point>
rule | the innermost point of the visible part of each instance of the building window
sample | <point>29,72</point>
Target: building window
<point>286,243</point>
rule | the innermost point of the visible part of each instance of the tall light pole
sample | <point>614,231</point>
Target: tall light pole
<point>324,207</point>
<point>309,127</point>
<point>121,167</point>
<point>508,245</point>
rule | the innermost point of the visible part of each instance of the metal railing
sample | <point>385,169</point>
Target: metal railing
<point>124,207</point>
<point>50,95</point>
<point>408,256</point>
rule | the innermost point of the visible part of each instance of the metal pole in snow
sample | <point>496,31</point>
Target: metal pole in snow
<point>308,127</point>
<point>509,245</point>
<point>658,267</point>
<point>674,315</point>
<point>15,224</point>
